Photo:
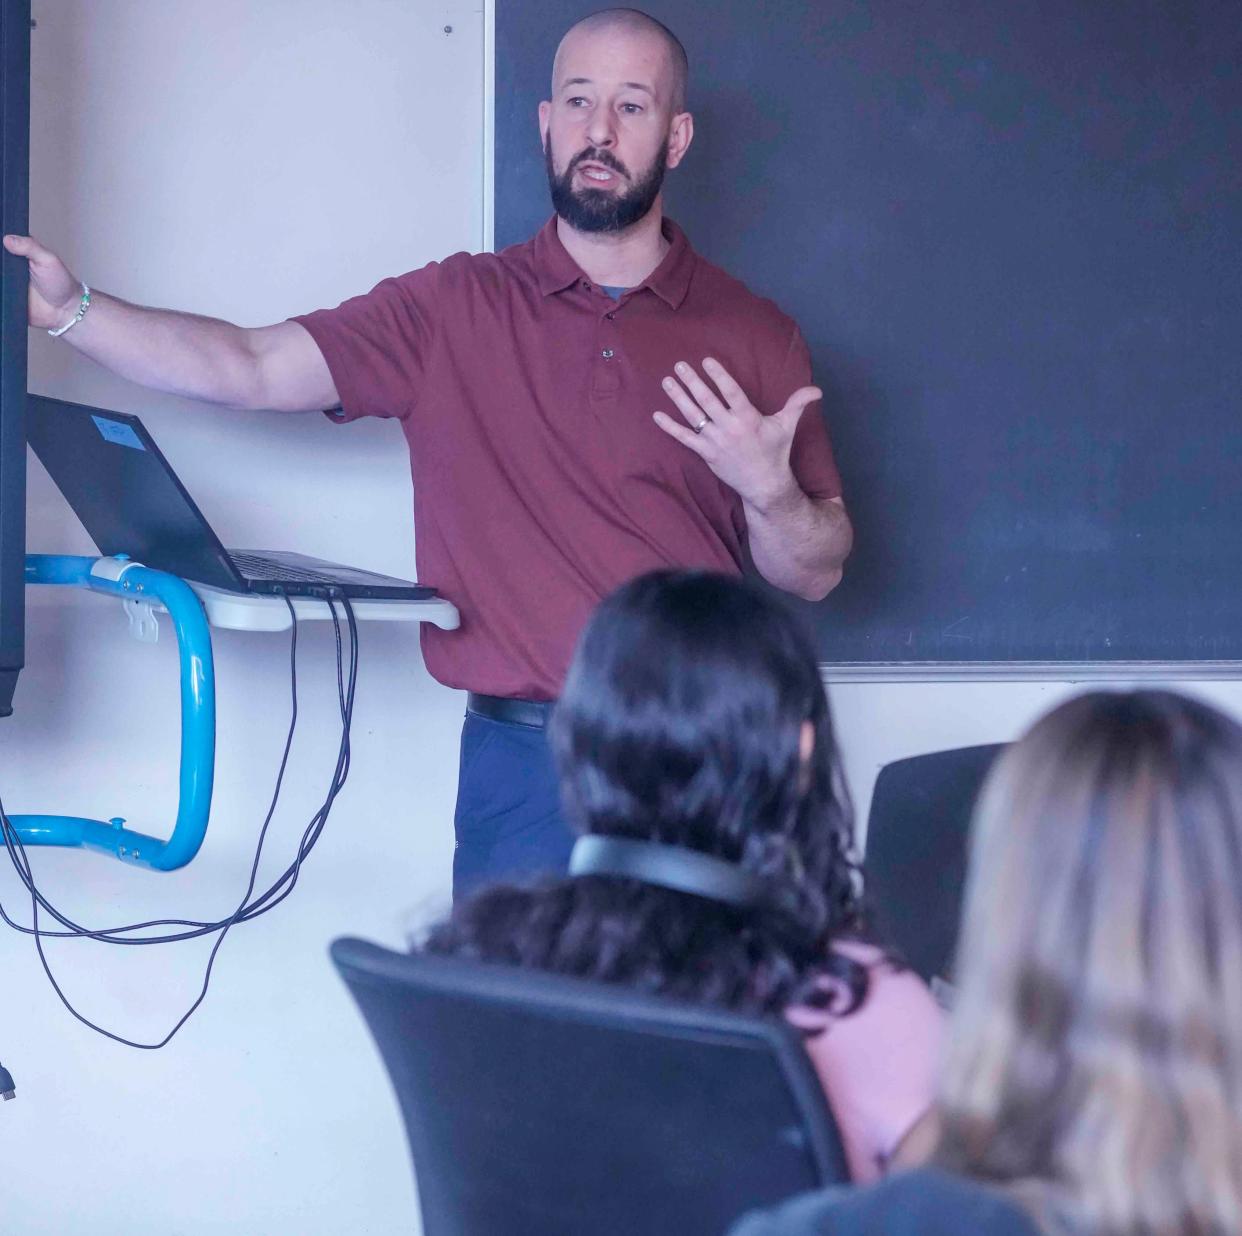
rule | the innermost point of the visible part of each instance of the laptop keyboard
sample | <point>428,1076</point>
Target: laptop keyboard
<point>253,566</point>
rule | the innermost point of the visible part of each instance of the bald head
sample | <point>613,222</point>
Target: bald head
<point>634,24</point>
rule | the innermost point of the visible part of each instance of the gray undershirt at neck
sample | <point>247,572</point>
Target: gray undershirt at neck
<point>615,293</point>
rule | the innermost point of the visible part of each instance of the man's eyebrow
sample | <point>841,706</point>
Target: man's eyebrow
<point>586,81</point>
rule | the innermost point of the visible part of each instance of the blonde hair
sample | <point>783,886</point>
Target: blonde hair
<point>1096,1045</point>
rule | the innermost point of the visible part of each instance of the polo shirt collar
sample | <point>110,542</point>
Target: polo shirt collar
<point>670,281</point>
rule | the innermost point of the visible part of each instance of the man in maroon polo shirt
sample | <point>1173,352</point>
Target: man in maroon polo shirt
<point>595,403</point>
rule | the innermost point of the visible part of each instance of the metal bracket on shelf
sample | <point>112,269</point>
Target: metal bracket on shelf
<point>140,589</point>
<point>142,623</point>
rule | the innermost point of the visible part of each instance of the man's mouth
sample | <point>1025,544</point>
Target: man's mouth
<point>597,173</point>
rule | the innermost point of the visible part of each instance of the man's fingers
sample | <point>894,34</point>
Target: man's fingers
<point>692,411</point>
<point>796,404</point>
<point>23,246</point>
<point>733,394</point>
<point>704,396</point>
<point>683,435</point>
<point>42,260</point>
<point>53,289</point>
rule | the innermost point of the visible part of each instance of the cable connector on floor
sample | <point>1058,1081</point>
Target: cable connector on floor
<point>7,1089</point>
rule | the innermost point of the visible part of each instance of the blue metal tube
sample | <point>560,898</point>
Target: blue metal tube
<point>198,720</point>
<point>71,569</point>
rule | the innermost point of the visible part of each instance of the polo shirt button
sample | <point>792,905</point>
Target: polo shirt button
<point>607,354</point>
<point>610,316</point>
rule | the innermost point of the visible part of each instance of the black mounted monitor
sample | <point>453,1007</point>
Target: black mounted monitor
<point>14,195</point>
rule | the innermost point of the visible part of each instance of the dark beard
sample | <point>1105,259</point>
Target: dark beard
<point>598,210</point>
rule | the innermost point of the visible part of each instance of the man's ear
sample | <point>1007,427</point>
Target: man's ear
<point>545,110</point>
<point>680,135</point>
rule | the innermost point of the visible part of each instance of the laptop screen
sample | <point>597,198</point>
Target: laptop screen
<point>124,491</point>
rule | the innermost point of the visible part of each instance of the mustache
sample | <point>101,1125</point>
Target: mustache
<point>602,157</point>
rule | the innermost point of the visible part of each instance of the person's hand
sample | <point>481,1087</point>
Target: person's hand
<point>745,449</point>
<point>54,293</point>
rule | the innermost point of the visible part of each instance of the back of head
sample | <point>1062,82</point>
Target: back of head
<point>683,722</point>
<point>1097,1038</point>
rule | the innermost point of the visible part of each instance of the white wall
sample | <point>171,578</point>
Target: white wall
<point>249,161</point>
<point>254,160</point>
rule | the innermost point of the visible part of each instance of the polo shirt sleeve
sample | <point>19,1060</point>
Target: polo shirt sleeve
<point>377,345</point>
<point>811,457</point>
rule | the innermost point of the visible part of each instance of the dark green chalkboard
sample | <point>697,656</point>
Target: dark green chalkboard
<point>1012,234</point>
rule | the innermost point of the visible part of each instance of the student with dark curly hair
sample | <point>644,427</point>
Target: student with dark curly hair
<point>1093,1076</point>
<point>713,864</point>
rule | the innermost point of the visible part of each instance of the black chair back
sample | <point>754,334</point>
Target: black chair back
<point>537,1104</point>
<point>917,839</point>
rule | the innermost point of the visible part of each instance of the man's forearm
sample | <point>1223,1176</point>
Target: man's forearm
<point>798,543</point>
<point>182,353</point>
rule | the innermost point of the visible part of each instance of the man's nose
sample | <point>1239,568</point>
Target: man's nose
<point>601,131</point>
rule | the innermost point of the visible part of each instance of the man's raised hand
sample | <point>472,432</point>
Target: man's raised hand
<point>745,449</point>
<point>54,293</point>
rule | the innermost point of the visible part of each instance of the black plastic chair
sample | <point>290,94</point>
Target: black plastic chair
<point>538,1105</point>
<point>917,838</point>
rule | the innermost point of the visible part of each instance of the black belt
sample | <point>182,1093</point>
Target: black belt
<point>533,713</point>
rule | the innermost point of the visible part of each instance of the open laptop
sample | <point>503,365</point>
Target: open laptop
<point>131,502</point>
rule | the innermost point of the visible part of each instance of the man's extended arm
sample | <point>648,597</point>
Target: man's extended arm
<point>278,367</point>
<point>798,543</point>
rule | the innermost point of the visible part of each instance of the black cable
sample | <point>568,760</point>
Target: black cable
<point>24,870</point>
<point>246,909</point>
<point>113,935</point>
<point>78,931</point>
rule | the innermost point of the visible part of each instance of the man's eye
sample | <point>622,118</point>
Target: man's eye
<point>631,109</point>
<point>577,101</point>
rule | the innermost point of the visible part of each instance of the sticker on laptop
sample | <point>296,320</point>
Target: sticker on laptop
<point>118,432</point>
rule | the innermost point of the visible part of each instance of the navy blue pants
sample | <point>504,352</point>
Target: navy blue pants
<point>508,819</point>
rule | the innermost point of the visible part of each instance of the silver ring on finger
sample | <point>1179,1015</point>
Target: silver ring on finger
<point>699,427</point>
